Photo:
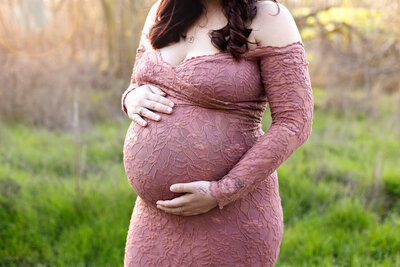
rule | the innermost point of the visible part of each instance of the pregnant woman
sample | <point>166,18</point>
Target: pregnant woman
<point>205,173</point>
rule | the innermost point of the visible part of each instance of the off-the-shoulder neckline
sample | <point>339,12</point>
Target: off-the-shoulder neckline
<point>266,48</point>
<point>275,47</point>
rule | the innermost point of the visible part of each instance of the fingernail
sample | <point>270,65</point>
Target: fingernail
<point>157,117</point>
<point>171,104</point>
<point>169,109</point>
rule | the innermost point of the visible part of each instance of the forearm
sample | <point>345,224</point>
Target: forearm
<point>260,161</point>
<point>133,84</point>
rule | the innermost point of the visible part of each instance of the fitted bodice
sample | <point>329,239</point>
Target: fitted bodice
<point>214,81</point>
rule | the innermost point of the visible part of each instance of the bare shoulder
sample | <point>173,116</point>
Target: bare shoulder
<point>271,28</point>
<point>151,17</point>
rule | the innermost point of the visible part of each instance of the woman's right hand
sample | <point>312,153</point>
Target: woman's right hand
<point>145,97</point>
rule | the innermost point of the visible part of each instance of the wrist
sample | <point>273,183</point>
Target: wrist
<point>124,96</point>
<point>214,192</point>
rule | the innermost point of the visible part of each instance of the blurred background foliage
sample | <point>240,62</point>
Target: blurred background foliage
<point>65,199</point>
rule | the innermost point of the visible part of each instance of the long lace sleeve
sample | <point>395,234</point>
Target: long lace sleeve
<point>133,84</point>
<point>285,77</point>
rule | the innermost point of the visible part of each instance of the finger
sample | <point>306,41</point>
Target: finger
<point>174,203</point>
<point>136,118</point>
<point>161,100</point>
<point>176,211</point>
<point>156,90</point>
<point>157,106</point>
<point>151,115</point>
<point>144,112</point>
<point>185,187</point>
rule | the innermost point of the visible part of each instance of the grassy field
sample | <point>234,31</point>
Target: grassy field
<point>340,193</point>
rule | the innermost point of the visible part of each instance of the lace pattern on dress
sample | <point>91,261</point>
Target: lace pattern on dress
<point>285,76</point>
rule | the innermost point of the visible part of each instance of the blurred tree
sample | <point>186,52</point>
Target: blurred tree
<point>352,45</point>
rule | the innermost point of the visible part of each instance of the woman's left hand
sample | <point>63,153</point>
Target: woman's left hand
<point>196,201</point>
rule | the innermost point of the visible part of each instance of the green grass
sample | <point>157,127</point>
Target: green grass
<point>44,219</point>
<point>340,194</point>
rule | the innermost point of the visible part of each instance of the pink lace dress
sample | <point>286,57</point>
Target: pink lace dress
<point>214,134</point>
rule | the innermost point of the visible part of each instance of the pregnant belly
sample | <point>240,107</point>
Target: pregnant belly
<point>191,144</point>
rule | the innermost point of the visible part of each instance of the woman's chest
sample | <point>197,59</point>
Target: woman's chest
<point>217,75</point>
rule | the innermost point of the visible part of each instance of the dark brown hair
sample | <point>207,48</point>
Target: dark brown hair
<point>174,17</point>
